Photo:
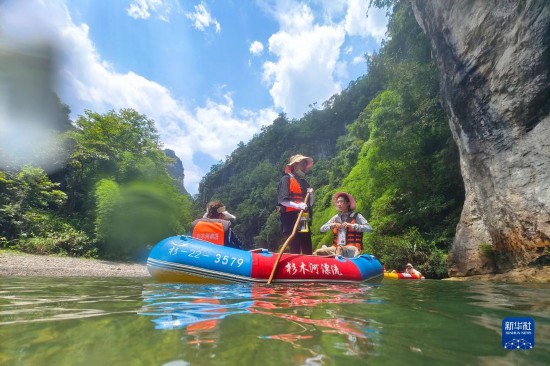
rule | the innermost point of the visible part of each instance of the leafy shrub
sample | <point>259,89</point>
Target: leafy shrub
<point>36,245</point>
<point>396,251</point>
<point>47,233</point>
<point>71,242</point>
<point>436,267</point>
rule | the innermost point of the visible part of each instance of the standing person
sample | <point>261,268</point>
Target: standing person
<point>291,193</point>
<point>215,226</point>
<point>347,225</point>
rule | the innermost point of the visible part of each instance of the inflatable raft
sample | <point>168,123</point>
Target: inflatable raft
<point>189,260</point>
<point>402,276</point>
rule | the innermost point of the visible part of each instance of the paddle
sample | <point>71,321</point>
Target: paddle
<point>287,242</point>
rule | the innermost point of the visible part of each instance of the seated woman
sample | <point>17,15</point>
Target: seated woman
<point>347,225</point>
<point>215,226</point>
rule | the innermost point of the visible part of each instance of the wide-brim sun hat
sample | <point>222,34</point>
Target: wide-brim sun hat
<point>349,196</point>
<point>226,214</point>
<point>220,210</point>
<point>296,159</point>
<point>409,265</point>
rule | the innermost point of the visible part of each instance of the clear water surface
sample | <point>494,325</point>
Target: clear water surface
<point>52,321</point>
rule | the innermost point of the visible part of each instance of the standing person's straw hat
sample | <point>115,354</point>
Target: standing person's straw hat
<point>294,159</point>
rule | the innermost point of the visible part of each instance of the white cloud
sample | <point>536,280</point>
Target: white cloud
<point>309,49</point>
<point>256,48</point>
<point>358,60</point>
<point>142,9</point>
<point>202,18</point>
<point>90,82</point>
<point>307,55</point>
<point>357,23</point>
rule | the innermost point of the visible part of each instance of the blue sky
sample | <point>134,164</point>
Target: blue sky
<point>209,73</point>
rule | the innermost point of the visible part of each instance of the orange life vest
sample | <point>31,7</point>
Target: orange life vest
<point>212,230</point>
<point>295,194</point>
<point>353,237</point>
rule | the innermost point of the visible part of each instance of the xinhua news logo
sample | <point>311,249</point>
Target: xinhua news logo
<point>518,333</point>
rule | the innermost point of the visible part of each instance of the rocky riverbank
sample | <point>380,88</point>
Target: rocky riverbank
<point>21,264</point>
<point>519,275</point>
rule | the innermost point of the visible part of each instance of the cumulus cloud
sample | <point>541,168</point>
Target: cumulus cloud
<point>256,48</point>
<point>309,49</point>
<point>202,18</point>
<point>307,55</point>
<point>142,9</point>
<point>373,25</point>
<point>215,129</point>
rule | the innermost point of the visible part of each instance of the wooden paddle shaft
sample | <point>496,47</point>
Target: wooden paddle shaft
<point>287,241</point>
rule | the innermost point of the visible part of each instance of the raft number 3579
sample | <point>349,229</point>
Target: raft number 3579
<point>225,260</point>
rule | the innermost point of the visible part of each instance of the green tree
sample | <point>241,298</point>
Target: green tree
<point>23,194</point>
<point>117,163</point>
<point>121,146</point>
<point>31,215</point>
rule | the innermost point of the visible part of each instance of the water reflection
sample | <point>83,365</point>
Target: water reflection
<point>306,313</point>
<point>47,300</point>
<point>515,297</point>
<point>494,299</point>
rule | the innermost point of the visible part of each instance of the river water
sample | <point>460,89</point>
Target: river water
<point>52,321</point>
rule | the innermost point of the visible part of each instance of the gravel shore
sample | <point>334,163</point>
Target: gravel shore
<point>22,264</point>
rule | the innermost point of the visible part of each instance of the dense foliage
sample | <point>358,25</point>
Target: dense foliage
<point>113,197</point>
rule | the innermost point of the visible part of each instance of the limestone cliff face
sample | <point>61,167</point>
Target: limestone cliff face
<point>176,170</point>
<point>494,62</point>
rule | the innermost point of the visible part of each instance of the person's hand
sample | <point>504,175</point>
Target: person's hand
<point>302,206</point>
<point>336,225</point>
<point>309,190</point>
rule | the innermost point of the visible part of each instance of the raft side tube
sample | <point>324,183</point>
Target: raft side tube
<point>187,251</point>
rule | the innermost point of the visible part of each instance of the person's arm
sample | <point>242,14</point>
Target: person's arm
<point>329,224</point>
<point>307,189</point>
<point>283,191</point>
<point>234,241</point>
<point>310,191</point>
<point>298,206</point>
<point>361,224</point>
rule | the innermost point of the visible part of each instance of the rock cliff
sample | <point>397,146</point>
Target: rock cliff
<point>176,170</point>
<point>494,63</point>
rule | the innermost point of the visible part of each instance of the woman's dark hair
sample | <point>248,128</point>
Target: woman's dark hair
<point>213,207</point>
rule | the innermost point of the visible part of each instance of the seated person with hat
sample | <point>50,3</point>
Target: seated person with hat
<point>347,226</point>
<point>215,226</point>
